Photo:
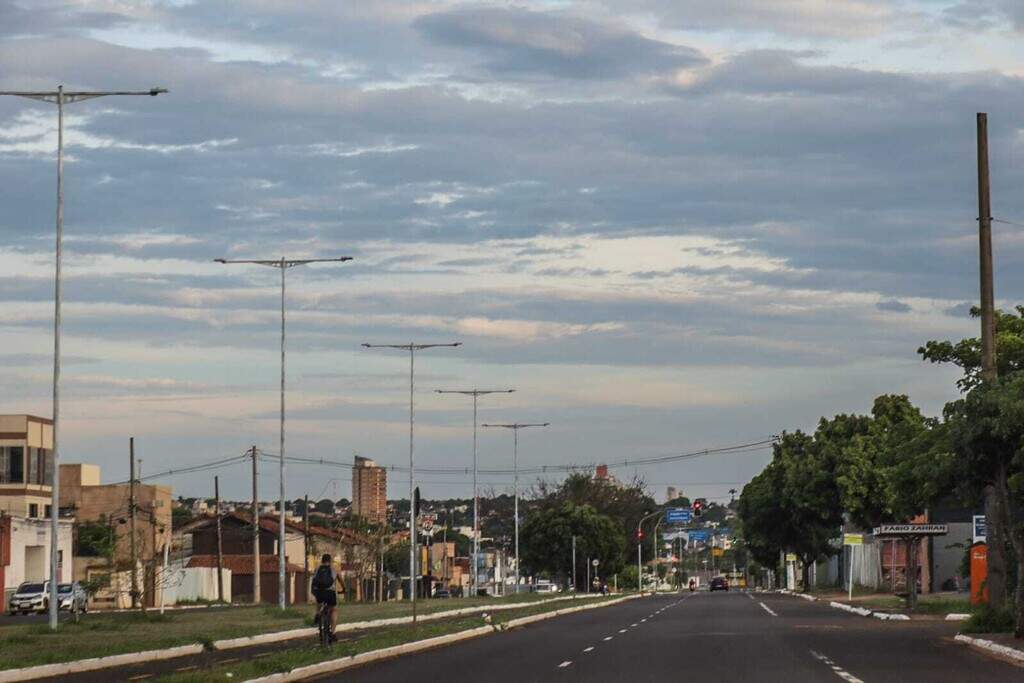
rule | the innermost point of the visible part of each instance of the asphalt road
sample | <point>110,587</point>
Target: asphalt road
<point>703,636</point>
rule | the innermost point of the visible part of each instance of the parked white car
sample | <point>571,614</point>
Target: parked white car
<point>30,597</point>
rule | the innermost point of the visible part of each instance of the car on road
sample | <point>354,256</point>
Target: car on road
<point>719,583</point>
<point>30,597</point>
<point>73,597</point>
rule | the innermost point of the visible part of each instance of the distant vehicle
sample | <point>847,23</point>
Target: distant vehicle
<point>544,586</point>
<point>73,597</point>
<point>719,583</point>
<point>442,593</point>
<point>30,597</point>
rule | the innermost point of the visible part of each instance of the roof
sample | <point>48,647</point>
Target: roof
<point>270,523</point>
<point>242,564</point>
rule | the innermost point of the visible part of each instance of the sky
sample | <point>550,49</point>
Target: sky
<point>669,225</point>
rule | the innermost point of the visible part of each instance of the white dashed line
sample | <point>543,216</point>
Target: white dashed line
<point>622,630</point>
<point>608,638</point>
<point>838,670</point>
<point>564,664</point>
<point>642,620</point>
<point>588,649</point>
<point>633,625</point>
<point>768,609</point>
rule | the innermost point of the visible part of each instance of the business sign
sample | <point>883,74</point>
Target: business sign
<point>717,552</point>
<point>678,515</point>
<point>853,539</point>
<point>912,530</point>
<point>790,557</point>
<point>980,528</point>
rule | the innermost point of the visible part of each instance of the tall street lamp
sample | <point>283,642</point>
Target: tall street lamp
<point>60,98</point>
<point>515,427</point>
<point>283,264</point>
<point>476,394</point>
<point>412,348</point>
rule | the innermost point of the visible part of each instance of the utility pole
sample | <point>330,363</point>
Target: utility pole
<point>255,534</point>
<point>131,522</point>
<point>575,588</point>
<point>412,348</point>
<point>515,427</point>
<point>995,503</point>
<point>60,97</point>
<point>476,394</point>
<point>305,544</point>
<point>220,545</point>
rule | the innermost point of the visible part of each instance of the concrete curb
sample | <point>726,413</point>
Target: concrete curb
<point>958,617</point>
<point>991,647</point>
<point>850,608</point>
<point>335,665</point>
<point>83,665</point>
<point>279,636</point>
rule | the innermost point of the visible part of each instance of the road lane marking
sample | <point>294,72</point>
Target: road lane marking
<point>642,620</point>
<point>588,649</point>
<point>836,669</point>
<point>768,609</point>
<point>140,677</point>
<point>633,625</point>
<point>608,638</point>
<point>565,664</point>
<point>622,630</point>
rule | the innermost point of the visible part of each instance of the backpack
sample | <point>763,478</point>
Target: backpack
<point>323,580</point>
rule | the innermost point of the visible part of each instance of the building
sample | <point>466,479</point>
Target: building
<point>26,477</point>
<point>91,503</point>
<point>671,493</point>
<point>369,490</point>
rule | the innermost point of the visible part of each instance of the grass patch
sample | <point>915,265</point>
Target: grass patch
<point>988,620</point>
<point>101,635</point>
<point>926,604</point>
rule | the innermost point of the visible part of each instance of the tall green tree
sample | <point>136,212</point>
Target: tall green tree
<point>546,540</point>
<point>966,354</point>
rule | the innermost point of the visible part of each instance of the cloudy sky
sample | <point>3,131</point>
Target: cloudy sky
<point>669,224</point>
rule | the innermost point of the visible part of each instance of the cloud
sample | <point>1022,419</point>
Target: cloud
<point>893,306</point>
<point>519,43</point>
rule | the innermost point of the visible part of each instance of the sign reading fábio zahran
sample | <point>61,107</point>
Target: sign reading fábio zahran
<point>911,530</point>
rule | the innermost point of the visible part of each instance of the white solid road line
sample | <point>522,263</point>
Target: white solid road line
<point>564,664</point>
<point>836,669</point>
<point>768,609</point>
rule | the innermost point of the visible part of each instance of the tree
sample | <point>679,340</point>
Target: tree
<point>546,540</point>
<point>966,354</point>
<point>892,468</point>
<point>987,433</point>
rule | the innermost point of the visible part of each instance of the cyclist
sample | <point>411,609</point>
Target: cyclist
<point>323,589</point>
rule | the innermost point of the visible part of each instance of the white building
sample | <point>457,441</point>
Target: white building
<point>25,551</point>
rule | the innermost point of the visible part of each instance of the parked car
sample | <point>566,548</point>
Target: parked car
<point>30,597</point>
<point>544,586</point>
<point>442,593</point>
<point>73,597</point>
<point>719,583</point>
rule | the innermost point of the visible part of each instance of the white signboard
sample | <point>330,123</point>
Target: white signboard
<point>911,530</point>
<point>980,530</point>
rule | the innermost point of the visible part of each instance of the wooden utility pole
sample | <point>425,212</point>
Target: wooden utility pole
<point>131,521</point>
<point>305,544</point>
<point>220,545</point>
<point>995,504</point>
<point>255,533</point>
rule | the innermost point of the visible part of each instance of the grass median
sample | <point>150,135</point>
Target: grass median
<point>101,635</point>
<point>308,652</point>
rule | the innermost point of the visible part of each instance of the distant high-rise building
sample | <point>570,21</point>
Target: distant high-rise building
<point>369,490</point>
<point>671,493</point>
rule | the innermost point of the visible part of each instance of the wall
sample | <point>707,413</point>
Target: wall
<point>30,541</point>
<point>948,552</point>
<point>194,583</point>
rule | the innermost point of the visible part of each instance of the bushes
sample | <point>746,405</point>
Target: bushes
<point>987,619</point>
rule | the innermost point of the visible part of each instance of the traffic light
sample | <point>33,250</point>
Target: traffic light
<point>639,535</point>
<point>698,508</point>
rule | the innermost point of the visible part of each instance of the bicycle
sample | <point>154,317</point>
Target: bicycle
<point>323,616</point>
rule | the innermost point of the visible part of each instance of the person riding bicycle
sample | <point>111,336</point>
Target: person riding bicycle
<point>323,589</point>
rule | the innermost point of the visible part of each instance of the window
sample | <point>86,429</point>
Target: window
<point>33,466</point>
<point>33,510</point>
<point>12,465</point>
<point>49,509</point>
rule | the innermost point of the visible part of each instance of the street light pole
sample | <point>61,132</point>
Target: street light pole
<point>476,394</point>
<point>60,97</point>
<point>639,551</point>
<point>515,427</point>
<point>284,264</point>
<point>412,348</point>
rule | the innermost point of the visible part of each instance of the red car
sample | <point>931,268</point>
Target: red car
<point>718,584</point>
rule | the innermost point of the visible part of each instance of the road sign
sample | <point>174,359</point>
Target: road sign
<point>427,520</point>
<point>790,557</point>
<point>980,528</point>
<point>596,562</point>
<point>678,515</point>
<point>698,536</point>
<point>912,530</point>
<point>853,539</point>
